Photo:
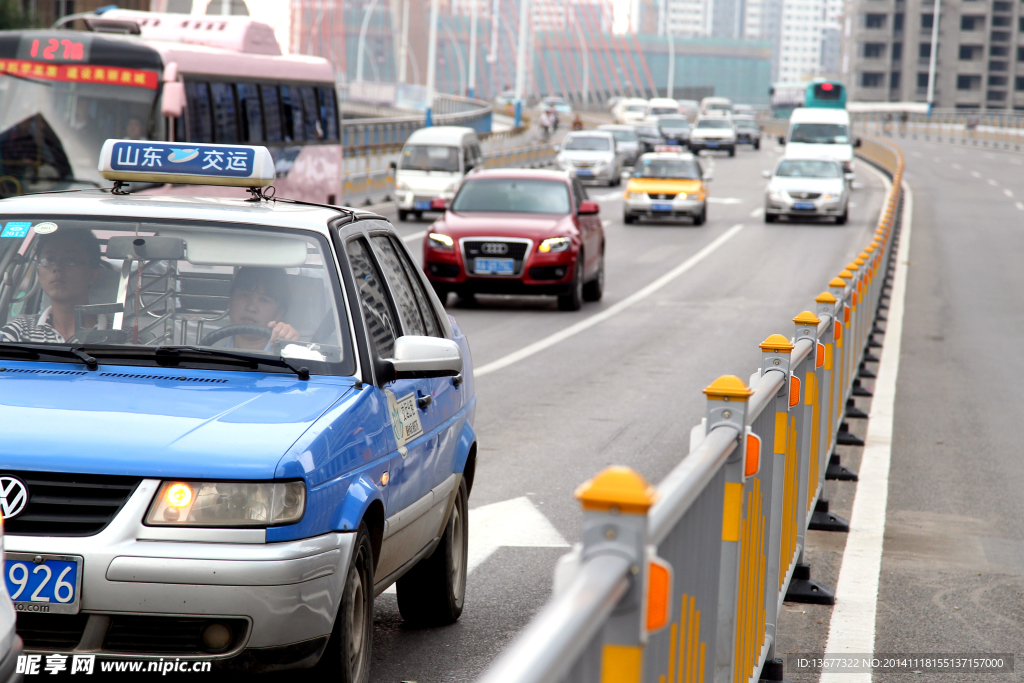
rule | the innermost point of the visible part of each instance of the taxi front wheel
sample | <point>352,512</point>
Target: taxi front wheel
<point>347,657</point>
<point>433,592</point>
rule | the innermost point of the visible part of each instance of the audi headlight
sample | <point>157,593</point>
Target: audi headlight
<point>227,504</point>
<point>554,244</point>
<point>436,240</point>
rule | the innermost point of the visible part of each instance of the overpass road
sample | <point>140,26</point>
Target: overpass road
<point>624,391</point>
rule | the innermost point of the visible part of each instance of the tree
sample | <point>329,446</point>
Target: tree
<point>11,15</point>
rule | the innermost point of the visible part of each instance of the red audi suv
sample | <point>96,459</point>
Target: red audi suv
<point>518,231</point>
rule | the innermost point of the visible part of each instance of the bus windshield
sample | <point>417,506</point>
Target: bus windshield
<point>820,133</point>
<point>51,131</point>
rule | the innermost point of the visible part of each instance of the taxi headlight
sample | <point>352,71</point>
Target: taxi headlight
<point>776,195</point>
<point>436,240</point>
<point>554,244</point>
<point>636,195</point>
<point>227,504</point>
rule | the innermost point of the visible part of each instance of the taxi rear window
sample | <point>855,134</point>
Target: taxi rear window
<point>133,287</point>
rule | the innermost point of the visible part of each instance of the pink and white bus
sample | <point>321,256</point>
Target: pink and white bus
<point>144,75</point>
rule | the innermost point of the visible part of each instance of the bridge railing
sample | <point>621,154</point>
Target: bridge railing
<point>685,582</point>
<point>996,131</point>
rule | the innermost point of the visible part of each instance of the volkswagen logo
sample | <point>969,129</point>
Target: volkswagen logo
<point>13,496</point>
<point>494,248</point>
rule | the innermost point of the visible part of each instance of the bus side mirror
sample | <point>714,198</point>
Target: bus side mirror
<point>172,103</point>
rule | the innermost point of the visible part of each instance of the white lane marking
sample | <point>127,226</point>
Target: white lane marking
<point>975,174</point>
<point>724,200</point>
<point>1020,205</point>
<point>609,195</point>
<point>852,628</point>
<point>1008,193</point>
<point>1016,162</point>
<point>605,224</point>
<point>957,167</point>
<point>514,523</point>
<point>415,236</point>
<point>917,154</point>
<point>937,159</point>
<point>511,523</point>
<point>757,213</point>
<point>586,324</point>
<point>992,182</point>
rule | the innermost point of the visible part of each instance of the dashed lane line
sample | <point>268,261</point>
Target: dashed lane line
<point>615,309</point>
<point>993,182</point>
<point>1007,192</point>
<point>975,174</point>
<point>609,195</point>
<point>757,213</point>
<point>415,236</point>
<point>1020,206</point>
<point>852,627</point>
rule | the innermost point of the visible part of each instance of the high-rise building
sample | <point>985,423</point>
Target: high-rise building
<point>887,51</point>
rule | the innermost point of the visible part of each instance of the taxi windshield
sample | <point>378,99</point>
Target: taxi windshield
<point>512,195</point>
<point>430,158</point>
<point>147,290</point>
<point>677,169</point>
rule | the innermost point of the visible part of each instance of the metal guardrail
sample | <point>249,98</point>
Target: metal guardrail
<point>361,137</point>
<point>994,131</point>
<point>685,582</point>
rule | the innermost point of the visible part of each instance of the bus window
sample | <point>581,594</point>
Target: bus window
<point>272,113</point>
<point>252,117</point>
<point>198,96</point>
<point>314,129</point>
<point>225,122</point>
<point>328,113</point>
<point>294,119</point>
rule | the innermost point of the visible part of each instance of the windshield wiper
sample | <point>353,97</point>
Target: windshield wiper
<point>62,351</point>
<point>171,352</point>
<point>39,81</point>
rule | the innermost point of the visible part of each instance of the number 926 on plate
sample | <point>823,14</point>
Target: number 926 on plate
<point>44,584</point>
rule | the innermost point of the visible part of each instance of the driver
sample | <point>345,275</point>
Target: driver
<point>259,296</point>
<point>68,263</point>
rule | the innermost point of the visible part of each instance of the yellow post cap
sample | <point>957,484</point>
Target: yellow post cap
<point>850,267</point>
<point>838,281</point>
<point>617,487</point>
<point>776,343</point>
<point>870,249</point>
<point>825,297</point>
<point>808,318</point>
<point>846,274</point>
<point>728,386</point>
<point>859,260</point>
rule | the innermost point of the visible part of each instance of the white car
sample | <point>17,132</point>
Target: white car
<point>10,642</point>
<point>811,188</point>
<point>630,110</point>
<point>714,133</point>
<point>591,155</point>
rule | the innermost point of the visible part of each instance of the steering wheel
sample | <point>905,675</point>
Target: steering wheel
<point>230,330</point>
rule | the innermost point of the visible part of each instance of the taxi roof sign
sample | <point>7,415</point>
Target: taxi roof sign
<point>186,163</point>
<point>668,148</point>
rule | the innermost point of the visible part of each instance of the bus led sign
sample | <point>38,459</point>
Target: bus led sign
<point>55,49</point>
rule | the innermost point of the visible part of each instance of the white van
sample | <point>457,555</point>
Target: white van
<point>629,110</point>
<point>661,105</point>
<point>432,164</point>
<point>712,106</point>
<point>821,134</point>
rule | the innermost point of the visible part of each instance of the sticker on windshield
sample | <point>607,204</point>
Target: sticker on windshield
<point>405,418</point>
<point>45,228</point>
<point>16,229</point>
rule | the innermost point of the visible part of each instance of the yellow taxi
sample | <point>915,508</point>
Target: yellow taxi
<point>667,183</point>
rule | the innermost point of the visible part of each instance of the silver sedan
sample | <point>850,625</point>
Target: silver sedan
<point>813,188</point>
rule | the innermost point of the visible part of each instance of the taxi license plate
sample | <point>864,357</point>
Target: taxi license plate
<point>804,206</point>
<point>493,266</point>
<point>421,205</point>
<point>661,207</point>
<point>585,173</point>
<point>49,586</point>
<point>712,144</point>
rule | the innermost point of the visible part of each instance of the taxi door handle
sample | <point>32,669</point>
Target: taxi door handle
<point>424,401</point>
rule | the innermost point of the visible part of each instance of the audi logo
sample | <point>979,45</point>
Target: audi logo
<point>494,248</point>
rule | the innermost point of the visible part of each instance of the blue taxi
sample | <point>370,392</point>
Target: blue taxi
<point>228,423</point>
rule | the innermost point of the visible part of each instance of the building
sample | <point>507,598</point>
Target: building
<point>886,55</point>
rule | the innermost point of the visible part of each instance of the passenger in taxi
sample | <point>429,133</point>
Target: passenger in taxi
<point>259,296</point>
<point>68,263</point>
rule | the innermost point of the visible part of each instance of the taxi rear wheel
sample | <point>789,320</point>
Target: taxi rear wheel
<point>433,592</point>
<point>347,657</point>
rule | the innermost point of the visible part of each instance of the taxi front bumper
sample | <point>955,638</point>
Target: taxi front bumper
<point>655,208</point>
<point>278,598</point>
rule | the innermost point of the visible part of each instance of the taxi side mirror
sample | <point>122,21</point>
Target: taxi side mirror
<point>589,208</point>
<point>418,357</point>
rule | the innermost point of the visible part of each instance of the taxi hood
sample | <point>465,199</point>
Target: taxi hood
<point>156,422</point>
